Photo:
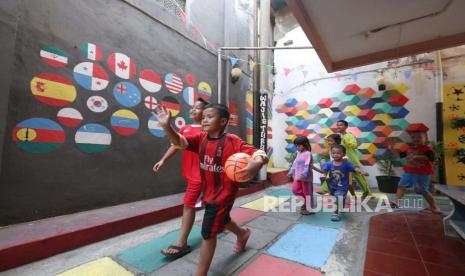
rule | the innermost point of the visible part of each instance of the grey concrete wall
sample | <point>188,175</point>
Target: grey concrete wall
<point>34,186</point>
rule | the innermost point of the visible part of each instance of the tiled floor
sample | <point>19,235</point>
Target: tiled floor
<point>412,243</point>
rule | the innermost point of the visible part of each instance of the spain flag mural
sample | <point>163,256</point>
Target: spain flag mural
<point>52,89</point>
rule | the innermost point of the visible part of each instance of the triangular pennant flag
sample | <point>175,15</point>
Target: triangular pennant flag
<point>354,76</point>
<point>233,61</point>
<point>269,68</point>
<point>338,76</point>
<point>286,71</point>
<point>407,73</point>
<point>195,32</point>
<point>252,64</point>
<point>204,41</point>
<point>211,46</point>
<point>183,16</point>
<point>305,72</point>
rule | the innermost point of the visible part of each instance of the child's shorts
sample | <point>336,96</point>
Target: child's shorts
<point>340,194</point>
<point>215,218</point>
<point>193,191</point>
<point>420,182</point>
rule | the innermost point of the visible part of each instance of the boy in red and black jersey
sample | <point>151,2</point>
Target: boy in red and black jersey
<point>214,147</point>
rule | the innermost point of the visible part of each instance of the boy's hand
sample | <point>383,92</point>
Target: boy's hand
<point>253,167</point>
<point>163,115</point>
<point>158,165</point>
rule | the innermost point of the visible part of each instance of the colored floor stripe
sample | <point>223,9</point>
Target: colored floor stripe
<point>269,265</point>
<point>242,216</point>
<point>281,192</point>
<point>101,267</point>
<point>265,203</point>
<point>323,219</point>
<point>147,256</point>
<point>306,244</point>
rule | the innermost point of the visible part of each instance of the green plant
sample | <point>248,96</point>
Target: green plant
<point>324,156</point>
<point>386,162</point>
<point>438,149</point>
<point>458,123</point>
<point>290,157</point>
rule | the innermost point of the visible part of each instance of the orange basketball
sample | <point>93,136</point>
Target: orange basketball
<point>235,163</point>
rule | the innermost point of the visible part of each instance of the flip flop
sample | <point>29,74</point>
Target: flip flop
<point>431,211</point>
<point>240,245</point>
<point>335,217</point>
<point>182,250</point>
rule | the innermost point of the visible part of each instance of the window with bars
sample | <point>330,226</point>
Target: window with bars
<point>175,7</point>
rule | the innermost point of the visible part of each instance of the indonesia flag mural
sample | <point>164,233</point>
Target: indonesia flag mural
<point>38,135</point>
<point>54,57</point>
<point>93,138</point>
<point>155,127</point>
<point>124,122</point>
<point>173,83</point>
<point>91,51</point>
<point>121,65</point>
<point>91,76</point>
<point>52,89</point>
<point>150,80</point>
<point>69,117</point>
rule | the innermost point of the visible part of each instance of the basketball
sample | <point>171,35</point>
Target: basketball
<point>235,163</point>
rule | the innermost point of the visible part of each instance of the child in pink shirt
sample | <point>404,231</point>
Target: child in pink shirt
<point>302,173</point>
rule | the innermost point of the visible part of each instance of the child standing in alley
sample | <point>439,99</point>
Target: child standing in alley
<point>191,173</point>
<point>302,173</point>
<point>214,146</point>
<point>339,178</point>
<point>418,168</point>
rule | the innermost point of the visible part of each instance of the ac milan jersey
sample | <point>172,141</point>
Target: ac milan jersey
<point>190,160</point>
<point>213,153</point>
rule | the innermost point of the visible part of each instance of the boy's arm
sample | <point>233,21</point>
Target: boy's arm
<point>361,171</point>
<point>318,169</point>
<point>164,119</point>
<point>349,141</point>
<point>169,153</point>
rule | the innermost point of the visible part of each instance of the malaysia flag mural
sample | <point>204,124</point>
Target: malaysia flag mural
<point>173,83</point>
<point>150,80</point>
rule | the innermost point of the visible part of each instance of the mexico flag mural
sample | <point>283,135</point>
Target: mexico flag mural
<point>93,138</point>
<point>91,76</point>
<point>205,91</point>
<point>125,122</point>
<point>69,117</point>
<point>54,57</point>
<point>121,65</point>
<point>38,135</point>
<point>52,89</point>
<point>155,128</point>
<point>91,51</point>
<point>150,80</point>
<point>127,94</point>
<point>172,105</point>
<point>173,83</point>
<point>190,95</point>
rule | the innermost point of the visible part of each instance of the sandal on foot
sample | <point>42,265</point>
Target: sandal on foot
<point>393,204</point>
<point>432,211</point>
<point>335,217</point>
<point>181,251</point>
<point>305,212</point>
<point>240,245</point>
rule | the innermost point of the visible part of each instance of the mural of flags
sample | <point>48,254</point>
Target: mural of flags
<point>205,91</point>
<point>69,117</point>
<point>172,105</point>
<point>173,83</point>
<point>155,128</point>
<point>190,95</point>
<point>125,122</point>
<point>91,51</point>
<point>52,89</point>
<point>92,138</point>
<point>127,94</point>
<point>91,76</point>
<point>121,65</point>
<point>54,57</point>
<point>150,80</point>
<point>38,135</point>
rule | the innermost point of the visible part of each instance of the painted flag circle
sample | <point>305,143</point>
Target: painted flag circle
<point>91,51</point>
<point>150,80</point>
<point>69,117</point>
<point>53,56</point>
<point>190,79</point>
<point>91,76</point>
<point>150,102</point>
<point>38,135</point>
<point>121,65</point>
<point>155,128</point>
<point>125,122</point>
<point>97,104</point>
<point>127,94</point>
<point>93,138</point>
<point>173,83</point>
<point>52,89</point>
<point>190,95</point>
<point>205,91</point>
<point>179,122</point>
<point>172,105</point>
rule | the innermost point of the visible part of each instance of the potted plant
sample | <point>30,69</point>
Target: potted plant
<point>387,183</point>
